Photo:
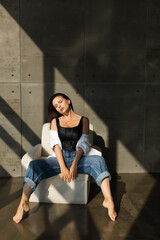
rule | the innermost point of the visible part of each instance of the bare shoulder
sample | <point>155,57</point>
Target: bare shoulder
<point>85,125</point>
<point>85,120</point>
<point>53,124</point>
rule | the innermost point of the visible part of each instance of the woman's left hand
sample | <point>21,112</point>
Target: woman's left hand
<point>73,171</point>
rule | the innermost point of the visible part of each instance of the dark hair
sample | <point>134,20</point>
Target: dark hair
<point>52,112</point>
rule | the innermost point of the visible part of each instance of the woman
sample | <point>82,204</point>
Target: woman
<point>69,140</point>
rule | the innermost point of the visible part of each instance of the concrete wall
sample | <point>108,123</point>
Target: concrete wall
<point>104,54</point>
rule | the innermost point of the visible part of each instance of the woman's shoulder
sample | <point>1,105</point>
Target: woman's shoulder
<point>53,124</point>
<point>85,119</point>
<point>85,124</point>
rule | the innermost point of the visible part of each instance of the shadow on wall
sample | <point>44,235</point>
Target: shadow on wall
<point>121,108</point>
<point>3,172</point>
<point>17,122</point>
<point>109,65</point>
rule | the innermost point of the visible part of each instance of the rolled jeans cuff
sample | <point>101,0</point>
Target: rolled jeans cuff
<point>31,184</point>
<point>100,178</point>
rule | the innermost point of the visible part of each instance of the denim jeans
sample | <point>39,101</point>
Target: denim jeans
<point>44,168</point>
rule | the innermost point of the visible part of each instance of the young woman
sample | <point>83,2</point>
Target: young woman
<point>70,142</point>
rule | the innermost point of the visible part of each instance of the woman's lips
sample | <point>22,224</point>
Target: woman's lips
<point>61,109</point>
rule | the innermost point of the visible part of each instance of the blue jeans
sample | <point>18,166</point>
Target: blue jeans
<point>44,168</point>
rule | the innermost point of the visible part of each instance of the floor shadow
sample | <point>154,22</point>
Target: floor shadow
<point>5,187</point>
<point>94,190</point>
<point>79,219</point>
<point>144,226</point>
<point>118,189</point>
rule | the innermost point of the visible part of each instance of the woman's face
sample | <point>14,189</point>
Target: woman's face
<point>61,104</point>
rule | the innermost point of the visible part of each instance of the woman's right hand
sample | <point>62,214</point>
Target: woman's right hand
<point>65,174</point>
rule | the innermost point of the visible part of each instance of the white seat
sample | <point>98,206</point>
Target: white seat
<point>53,190</point>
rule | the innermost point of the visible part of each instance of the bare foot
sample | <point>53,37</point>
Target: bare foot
<point>20,211</point>
<point>111,210</point>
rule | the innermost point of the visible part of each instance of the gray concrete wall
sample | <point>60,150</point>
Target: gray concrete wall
<point>104,54</point>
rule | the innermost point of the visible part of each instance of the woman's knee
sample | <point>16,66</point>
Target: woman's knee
<point>98,159</point>
<point>98,163</point>
<point>32,164</point>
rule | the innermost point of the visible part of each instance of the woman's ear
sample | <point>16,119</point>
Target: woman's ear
<point>69,102</point>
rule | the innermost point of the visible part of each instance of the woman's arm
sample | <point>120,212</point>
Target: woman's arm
<point>79,154</point>
<point>64,170</point>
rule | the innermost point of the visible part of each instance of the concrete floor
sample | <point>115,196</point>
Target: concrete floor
<point>137,198</point>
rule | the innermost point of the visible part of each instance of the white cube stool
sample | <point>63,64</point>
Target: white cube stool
<point>53,190</point>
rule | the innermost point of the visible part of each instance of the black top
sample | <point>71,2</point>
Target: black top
<point>69,136</point>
